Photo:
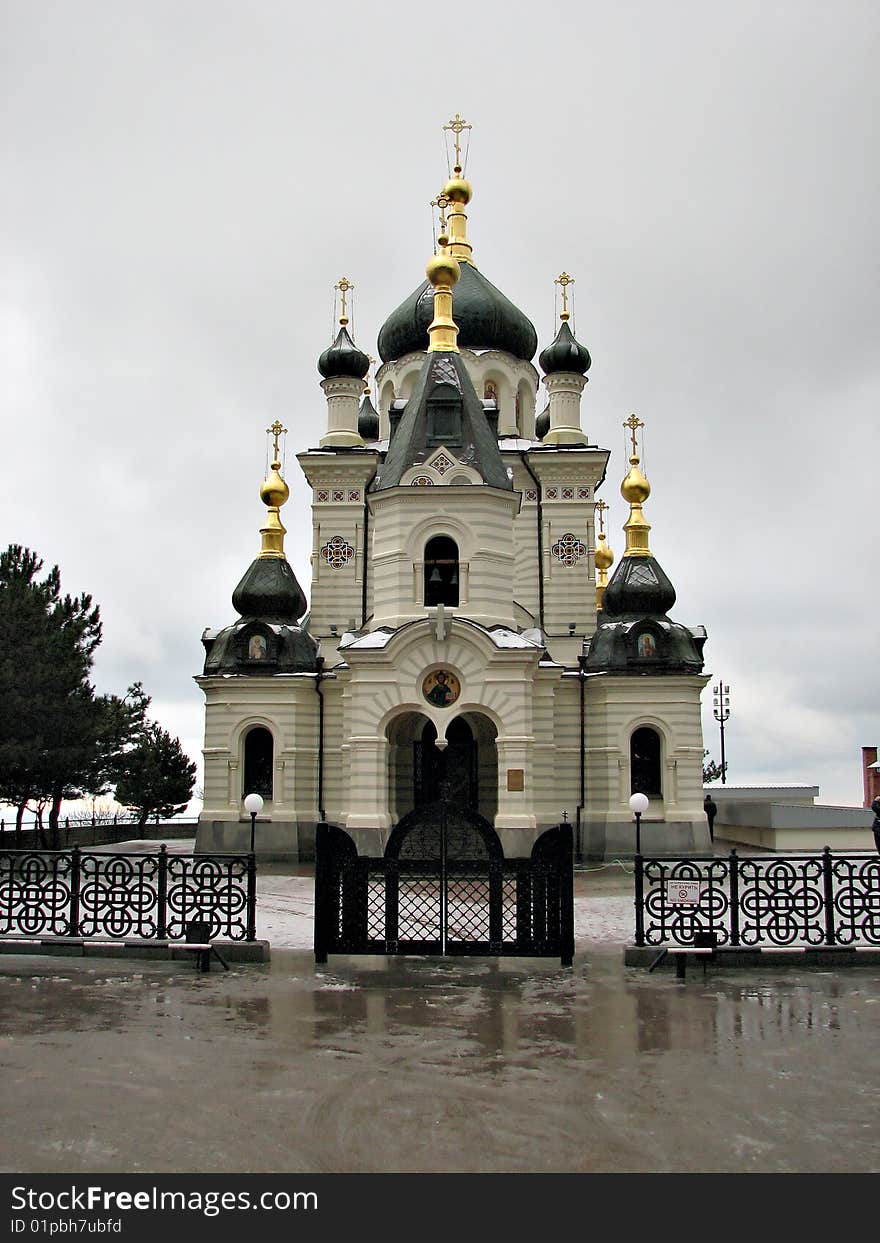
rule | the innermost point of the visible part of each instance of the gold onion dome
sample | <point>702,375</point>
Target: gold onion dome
<point>443,268</point>
<point>603,555</point>
<point>273,490</point>
<point>635,488</point>
<point>458,189</point>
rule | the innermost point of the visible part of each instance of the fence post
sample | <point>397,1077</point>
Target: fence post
<point>566,894</point>
<point>162,895</point>
<point>322,892</point>
<point>640,901</point>
<point>828,886</point>
<point>252,897</point>
<point>75,877</point>
<point>734,897</point>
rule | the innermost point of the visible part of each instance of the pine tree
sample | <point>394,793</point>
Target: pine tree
<point>156,776</point>
<point>58,738</point>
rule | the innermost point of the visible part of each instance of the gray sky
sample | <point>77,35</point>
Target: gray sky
<point>185,182</point>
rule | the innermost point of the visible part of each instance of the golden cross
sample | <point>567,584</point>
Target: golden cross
<point>633,424</point>
<point>564,280</point>
<point>344,286</point>
<point>600,510</point>
<point>442,202</point>
<point>277,429</point>
<point>457,125</point>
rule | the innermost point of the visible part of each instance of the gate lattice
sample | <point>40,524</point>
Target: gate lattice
<point>444,887</point>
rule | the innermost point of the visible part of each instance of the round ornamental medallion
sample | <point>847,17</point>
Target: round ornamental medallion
<point>441,688</point>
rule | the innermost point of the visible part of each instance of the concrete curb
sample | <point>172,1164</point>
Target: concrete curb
<point>77,947</point>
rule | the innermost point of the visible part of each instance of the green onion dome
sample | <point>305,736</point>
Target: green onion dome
<point>343,358</point>
<point>485,318</point>
<point>565,354</point>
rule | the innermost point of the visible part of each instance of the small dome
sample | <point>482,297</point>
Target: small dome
<point>273,490</point>
<point>443,269</point>
<point>639,588</point>
<point>486,320</point>
<point>269,590</point>
<point>635,488</point>
<point>542,423</point>
<point>459,190</point>
<point>368,420</point>
<point>565,354</point>
<point>603,555</point>
<point>343,358</point>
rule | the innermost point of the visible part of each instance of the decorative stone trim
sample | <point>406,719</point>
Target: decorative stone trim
<point>421,481</point>
<point>552,494</point>
<point>337,552</point>
<point>531,494</point>
<point>568,549</point>
<point>322,496</point>
<point>583,494</point>
<point>354,494</point>
<point>441,463</point>
<point>338,495</point>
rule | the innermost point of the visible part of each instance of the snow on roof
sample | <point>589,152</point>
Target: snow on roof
<point>376,639</point>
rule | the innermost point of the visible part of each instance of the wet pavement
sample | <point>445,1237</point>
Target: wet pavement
<point>436,1065</point>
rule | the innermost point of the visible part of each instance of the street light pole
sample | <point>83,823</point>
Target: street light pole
<point>253,804</point>
<point>721,710</point>
<point>638,805</point>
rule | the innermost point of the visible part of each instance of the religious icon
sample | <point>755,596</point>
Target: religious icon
<point>647,646</point>
<point>441,688</point>
<point>257,647</point>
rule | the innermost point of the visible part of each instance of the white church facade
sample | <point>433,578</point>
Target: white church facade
<point>463,640</point>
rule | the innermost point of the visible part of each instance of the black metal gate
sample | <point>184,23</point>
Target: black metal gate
<point>443,886</point>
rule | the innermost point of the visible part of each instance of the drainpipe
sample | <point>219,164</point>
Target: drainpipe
<point>540,514</point>
<point>582,674</point>
<point>318,680</point>
<point>366,547</point>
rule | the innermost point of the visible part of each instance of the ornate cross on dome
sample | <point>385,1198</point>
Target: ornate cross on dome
<point>344,286</point>
<point>457,125</point>
<point>564,280</point>
<point>600,513</point>
<point>633,424</point>
<point>276,430</point>
<point>441,202</point>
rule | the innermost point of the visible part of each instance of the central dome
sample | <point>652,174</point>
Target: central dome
<point>486,320</point>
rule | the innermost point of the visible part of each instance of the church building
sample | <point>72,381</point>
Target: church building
<point>463,639</point>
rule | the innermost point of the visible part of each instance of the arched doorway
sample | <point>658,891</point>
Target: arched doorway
<point>417,766</point>
<point>450,773</point>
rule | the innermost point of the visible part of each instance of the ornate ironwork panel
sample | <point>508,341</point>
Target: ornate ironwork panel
<point>35,894</point>
<point>126,896</point>
<point>856,890</point>
<point>793,900</point>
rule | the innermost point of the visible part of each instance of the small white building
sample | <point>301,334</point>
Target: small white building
<point>458,641</point>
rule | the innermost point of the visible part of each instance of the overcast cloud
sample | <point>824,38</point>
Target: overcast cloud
<point>185,182</point>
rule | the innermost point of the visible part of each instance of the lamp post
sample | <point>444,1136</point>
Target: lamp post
<point>253,804</point>
<point>721,710</point>
<point>638,805</point>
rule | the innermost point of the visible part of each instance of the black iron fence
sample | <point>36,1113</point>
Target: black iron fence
<point>766,901</point>
<point>72,893</point>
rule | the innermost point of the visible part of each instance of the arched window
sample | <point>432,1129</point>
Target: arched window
<point>259,755</point>
<point>644,762</point>
<point>441,571</point>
